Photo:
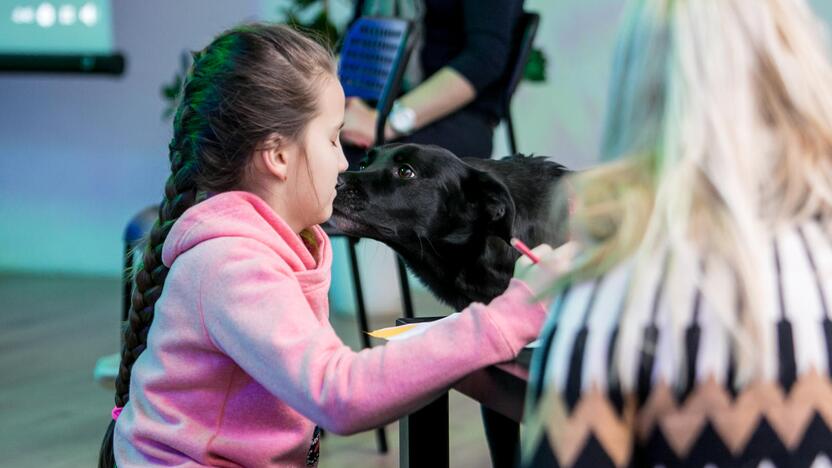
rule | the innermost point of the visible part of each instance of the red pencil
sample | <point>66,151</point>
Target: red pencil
<point>524,249</point>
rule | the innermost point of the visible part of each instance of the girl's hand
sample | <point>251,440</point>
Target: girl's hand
<point>359,124</point>
<point>553,263</point>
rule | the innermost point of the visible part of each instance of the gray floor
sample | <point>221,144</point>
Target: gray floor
<point>52,413</point>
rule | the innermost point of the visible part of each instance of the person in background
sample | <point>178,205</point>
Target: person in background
<point>229,358</point>
<point>693,328</point>
<point>454,80</point>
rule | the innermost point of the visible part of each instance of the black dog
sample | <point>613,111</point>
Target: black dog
<point>449,218</point>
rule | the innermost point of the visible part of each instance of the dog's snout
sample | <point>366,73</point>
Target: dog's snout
<point>349,194</point>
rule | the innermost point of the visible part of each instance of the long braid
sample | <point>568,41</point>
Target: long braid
<point>180,194</point>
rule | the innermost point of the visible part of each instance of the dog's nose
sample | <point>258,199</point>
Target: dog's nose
<point>339,184</point>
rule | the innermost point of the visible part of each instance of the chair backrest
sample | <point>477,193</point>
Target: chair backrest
<point>372,62</point>
<point>522,42</point>
<point>134,236</point>
<point>140,224</point>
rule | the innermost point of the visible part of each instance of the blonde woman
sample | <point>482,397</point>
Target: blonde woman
<point>693,327</point>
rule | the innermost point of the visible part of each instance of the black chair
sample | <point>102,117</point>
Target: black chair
<point>521,48</point>
<point>372,62</point>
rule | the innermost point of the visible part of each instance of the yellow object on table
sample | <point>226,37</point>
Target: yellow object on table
<point>389,332</point>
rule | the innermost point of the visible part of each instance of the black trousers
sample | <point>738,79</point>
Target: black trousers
<point>465,133</point>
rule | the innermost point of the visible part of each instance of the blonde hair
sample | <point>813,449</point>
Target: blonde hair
<point>718,130</point>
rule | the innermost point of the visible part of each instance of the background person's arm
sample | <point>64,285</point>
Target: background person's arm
<point>488,27</point>
<point>443,93</point>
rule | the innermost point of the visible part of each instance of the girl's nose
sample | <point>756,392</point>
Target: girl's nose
<point>343,164</point>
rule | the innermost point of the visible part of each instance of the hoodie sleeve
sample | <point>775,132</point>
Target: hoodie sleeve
<point>258,315</point>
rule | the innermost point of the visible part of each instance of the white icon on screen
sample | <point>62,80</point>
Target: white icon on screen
<point>45,15</point>
<point>88,14</point>
<point>66,15</point>
<point>23,15</point>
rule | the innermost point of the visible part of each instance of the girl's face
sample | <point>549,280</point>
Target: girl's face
<point>317,172</point>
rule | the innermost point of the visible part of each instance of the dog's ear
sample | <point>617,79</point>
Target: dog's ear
<point>496,203</point>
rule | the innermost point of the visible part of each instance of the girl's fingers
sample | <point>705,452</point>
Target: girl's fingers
<point>560,259</point>
<point>541,250</point>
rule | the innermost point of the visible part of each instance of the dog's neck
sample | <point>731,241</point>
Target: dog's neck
<point>461,274</point>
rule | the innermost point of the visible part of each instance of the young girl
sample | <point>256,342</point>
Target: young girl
<point>240,362</point>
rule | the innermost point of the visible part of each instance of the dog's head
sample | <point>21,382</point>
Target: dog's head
<point>410,192</point>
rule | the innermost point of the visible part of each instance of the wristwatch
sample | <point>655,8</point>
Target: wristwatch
<point>402,119</point>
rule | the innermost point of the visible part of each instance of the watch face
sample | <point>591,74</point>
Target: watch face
<point>402,119</point>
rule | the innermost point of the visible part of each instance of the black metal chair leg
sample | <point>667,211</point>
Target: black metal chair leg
<point>503,437</point>
<point>361,312</point>
<point>404,286</point>
<point>512,142</point>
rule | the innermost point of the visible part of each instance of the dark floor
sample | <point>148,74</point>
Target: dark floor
<point>52,413</point>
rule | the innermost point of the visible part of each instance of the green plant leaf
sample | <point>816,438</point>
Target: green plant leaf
<point>535,70</point>
<point>323,26</point>
<point>292,18</point>
<point>320,24</point>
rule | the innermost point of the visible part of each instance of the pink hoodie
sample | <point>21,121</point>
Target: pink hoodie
<point>241,361</point>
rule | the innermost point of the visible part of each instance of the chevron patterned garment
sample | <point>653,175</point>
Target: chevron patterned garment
<point>682,408</point>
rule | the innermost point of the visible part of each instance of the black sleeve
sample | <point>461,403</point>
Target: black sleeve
<point>357,11</point>
<point>488,27</point>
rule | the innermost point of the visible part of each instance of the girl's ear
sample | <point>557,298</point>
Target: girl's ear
<point>275,156</point>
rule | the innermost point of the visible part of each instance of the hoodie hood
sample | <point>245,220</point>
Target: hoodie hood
<point>243,214</point>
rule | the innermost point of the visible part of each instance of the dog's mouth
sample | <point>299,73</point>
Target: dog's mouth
<point>350,224</point>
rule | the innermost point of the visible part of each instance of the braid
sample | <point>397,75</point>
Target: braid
<point>180,194</point>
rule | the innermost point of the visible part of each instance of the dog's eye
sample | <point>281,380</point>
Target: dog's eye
<point>406,172</point>
<point>362,165</point>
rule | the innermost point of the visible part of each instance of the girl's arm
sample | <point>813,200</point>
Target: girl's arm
<point>260,317</point>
